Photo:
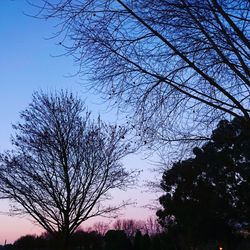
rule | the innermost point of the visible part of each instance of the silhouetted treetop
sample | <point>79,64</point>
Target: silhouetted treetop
<point>179,64</point>
<point>208,195</point>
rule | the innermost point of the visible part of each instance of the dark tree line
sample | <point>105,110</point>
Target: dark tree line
<point>112,240</point>
<point>121,234</point>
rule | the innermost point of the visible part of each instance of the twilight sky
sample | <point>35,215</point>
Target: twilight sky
<point>27,65</point>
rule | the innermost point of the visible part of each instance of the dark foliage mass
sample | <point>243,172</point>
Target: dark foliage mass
<point>207,196</point>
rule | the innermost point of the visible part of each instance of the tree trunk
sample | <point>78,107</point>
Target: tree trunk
<point>62,241</point>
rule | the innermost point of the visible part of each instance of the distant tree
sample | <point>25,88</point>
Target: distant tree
<point>208,195</point>
<point>152,226</point>
<point>129,226</point>
<point>8,247</point>
<point>117,239</point>
<point>100,227</point>
<point>137,244</point>
<point>27,242</point>
<point>63,164</point>
<point>164,241</point>
<point>146,242</point>
<point>87,240</point>
<point>179,64</point>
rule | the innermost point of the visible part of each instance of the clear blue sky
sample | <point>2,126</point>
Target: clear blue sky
<point>26,65</point>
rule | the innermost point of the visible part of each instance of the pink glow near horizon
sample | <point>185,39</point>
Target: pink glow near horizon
<point>26,66</point>
<point>13,227</point>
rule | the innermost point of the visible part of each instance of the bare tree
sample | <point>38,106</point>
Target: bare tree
<point>63,164</point>
<point>152,226</point>
<point>100,227</point>
<point>179,64</point>
<point>130,227</point>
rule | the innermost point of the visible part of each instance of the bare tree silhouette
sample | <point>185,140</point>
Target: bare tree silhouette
<point>179,64</point>
<point>63,164</point>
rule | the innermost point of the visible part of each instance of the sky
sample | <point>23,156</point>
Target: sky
<point>28,63</point>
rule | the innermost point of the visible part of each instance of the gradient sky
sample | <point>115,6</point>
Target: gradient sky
<point>27,65</point>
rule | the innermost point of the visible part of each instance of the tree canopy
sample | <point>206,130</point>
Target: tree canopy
<point>179,64</point>
<point>63,164</point>
<point>207,196</point>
